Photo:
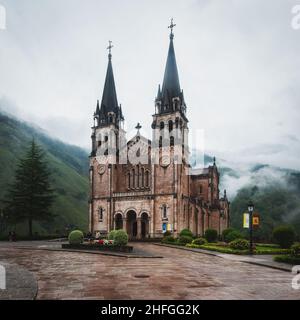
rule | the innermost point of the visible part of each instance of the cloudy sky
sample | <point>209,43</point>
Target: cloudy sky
<point>238,64</point>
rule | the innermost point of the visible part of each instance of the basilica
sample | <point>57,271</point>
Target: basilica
<point>148,187</point>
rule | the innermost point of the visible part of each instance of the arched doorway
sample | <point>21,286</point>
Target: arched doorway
<point>144,225</point>
<point>118,221</point>
<point>131,224</point>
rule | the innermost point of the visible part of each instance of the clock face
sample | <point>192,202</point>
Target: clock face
<point>165,161</point>
<point>101,168</point>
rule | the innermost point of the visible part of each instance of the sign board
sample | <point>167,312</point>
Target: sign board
<point>246,220</point>
<point>164,227</point>
<point>255,220</point>
<point>169,227</point>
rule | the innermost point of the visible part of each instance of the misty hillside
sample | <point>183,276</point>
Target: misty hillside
<point>275,192</point>
<point>69,167</point>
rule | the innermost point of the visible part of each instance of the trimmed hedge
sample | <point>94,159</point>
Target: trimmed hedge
<point>111,235</point>
<point>284,236</point>
<point>185,240</point>
<point>295,249</point>
<point>239,244</point>
<point>120,238</point>
<point>211,235</point>
<point>199,241</point>
<point>225,232</point>
<point>233,235</point>
<point>168,239</point>
<point>291,259</point>
<point>186,232</point>
<point>76,237</point>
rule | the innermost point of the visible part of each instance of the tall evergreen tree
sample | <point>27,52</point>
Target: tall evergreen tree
<point>30,196</point>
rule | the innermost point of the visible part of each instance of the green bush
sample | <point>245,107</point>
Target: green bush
<point>295,249</point>
<point>186,232</point>
<point>226,231</point>
<point>111,235</point>
<point>76,237</point>
<point>199,241</point>
<point>167,234</point>
<point>168,239</point>
<point>120,238</point>
<point>233,235</point>
<point>284,236</point>
<point>185,239</point>
<point>239,244</point>
<point>211,235</point>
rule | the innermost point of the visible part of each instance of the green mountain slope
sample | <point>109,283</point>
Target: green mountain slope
<point>277,203</point>
<point>69,167</point>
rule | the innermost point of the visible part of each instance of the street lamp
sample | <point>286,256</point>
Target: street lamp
<point>250,210</point>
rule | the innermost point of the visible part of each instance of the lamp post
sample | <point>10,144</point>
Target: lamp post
<point>250,210</point>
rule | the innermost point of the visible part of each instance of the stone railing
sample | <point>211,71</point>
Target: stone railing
<point>131,193</point>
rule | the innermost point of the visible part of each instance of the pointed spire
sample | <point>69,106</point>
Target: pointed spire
<point>171,85</point>
<point>109,101</point>
<point>158,96</point>
<point>97,108</point>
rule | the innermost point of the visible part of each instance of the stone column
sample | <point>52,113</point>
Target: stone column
<point>139,228</point>
<point>124,222</point>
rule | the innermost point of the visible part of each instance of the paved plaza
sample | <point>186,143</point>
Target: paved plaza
<point>180,274</point>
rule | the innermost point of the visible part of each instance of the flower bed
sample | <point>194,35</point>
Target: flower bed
<point>101,245</point>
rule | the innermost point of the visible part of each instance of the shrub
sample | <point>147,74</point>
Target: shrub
<point>226,231</point>
<point>120,238</point>
<point>168,239</point>
<point>199,241</point>
<point>186,232</point>
<point>185,239</point>
<point>233,235</point>
<point>76,237</point>
<point>284,236</point>
<point>167,234</point>
<point>295,249</point>
<point>111,235</point>
<point>239,244</point>
<point>291,259</point>
<point>211,235</point>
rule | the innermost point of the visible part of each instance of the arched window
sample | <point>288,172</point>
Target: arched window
<point>171,141</point>
<point>147,179</point>
<point>201,188</point>
<point>142,177</point>
<point>133,178</point>
<point>128,180</point>
<point>138,177</point>
<point>160,141</point>
<point>170,125</point>
<point>164,212</point>
<point>100,214</point>
<point>162,125</point>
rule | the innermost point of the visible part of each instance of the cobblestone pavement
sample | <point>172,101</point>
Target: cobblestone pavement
<point>179,275</point>
<point>19,283</point>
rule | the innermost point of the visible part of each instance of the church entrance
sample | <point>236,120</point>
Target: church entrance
<point>131,224</point>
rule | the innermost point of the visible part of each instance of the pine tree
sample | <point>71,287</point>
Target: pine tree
<point>31,196</point>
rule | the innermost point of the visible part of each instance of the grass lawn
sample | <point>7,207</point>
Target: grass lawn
<point>220,247</point>
<point>288,258</point>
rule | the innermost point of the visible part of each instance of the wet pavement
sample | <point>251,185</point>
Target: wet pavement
<point>180,274</point>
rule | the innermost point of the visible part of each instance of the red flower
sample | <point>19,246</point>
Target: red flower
<point>101,241</point>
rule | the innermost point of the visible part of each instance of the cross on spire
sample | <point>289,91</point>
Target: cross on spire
<point>171,26</point>
<point>138,126</point>
<point>110,46</point>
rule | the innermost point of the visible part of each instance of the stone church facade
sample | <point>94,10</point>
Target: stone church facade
<point>147,187</point>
